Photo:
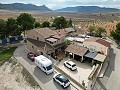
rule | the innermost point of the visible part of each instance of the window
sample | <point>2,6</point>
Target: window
<point>33,47</point>
<point>44,68</point>
<point>37,38</point>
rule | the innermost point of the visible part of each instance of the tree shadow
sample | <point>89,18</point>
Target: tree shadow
<point>60,88</point>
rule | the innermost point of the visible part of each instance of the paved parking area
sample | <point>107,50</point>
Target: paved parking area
<point>82,72</point>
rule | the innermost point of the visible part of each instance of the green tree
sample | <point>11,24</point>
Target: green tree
<point>37,24</point>
<point>46,24</point>
<point>116,33</point>
<point>99,32</point>
<point>118,26</point>
<point>17,31</point>
<point>91,30</point>
<point>26,21</point>
<point>11,26</point>
<point>69,24</point>
<point>60,22</point>
<point>3,30</point>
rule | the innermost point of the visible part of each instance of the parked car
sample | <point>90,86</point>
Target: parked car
<point>62,80</point>
<point>31,56</point>
<point>71,65</point>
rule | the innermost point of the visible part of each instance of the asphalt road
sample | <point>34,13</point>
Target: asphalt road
<point>45,81</point>
<point>111,79</point>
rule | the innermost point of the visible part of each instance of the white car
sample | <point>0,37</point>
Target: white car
<point>71,65</point>
<point>62,80</point>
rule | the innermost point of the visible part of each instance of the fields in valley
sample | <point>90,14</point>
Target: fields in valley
<point>107,20</point>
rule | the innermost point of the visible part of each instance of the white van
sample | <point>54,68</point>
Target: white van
<point>44,64</point>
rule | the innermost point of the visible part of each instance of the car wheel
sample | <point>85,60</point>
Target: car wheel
<point>71,69</point>
<point>62,86</point>
<point>54,79</point>
<point>64,64</point>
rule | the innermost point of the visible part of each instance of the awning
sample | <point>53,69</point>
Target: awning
<point>91,54</point>
<point>100,57</point>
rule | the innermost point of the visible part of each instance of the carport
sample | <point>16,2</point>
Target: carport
<point>75,51</point>
<point>90,55</point>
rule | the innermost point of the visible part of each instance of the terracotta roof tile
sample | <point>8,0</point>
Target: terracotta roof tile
<point>98,40</point>
<point>78,50</point>
<point>103,42</point>
<point>46,32</point>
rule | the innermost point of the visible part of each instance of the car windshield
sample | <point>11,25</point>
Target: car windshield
<point>73,65</point>
<point>49,67</point>
<point>63,78</point>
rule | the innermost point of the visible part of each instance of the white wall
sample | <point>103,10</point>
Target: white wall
<point>96,46</point>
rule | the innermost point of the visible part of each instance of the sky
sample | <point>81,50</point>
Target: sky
<point>57,4</point>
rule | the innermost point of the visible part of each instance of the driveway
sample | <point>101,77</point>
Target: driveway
<point>82,72</point>
<point>111,79</point>
<point>45,81</point>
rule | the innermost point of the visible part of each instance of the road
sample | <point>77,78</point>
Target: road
<point>111,80</point>
<point>45,81</point>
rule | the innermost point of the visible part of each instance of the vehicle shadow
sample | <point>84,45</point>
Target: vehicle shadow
<point>41,76</point>
<point>111,66</point>
<point>60,88</point>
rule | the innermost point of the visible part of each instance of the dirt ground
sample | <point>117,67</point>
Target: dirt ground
<point>11,78</point>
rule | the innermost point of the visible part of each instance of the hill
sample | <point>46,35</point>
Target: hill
<point>20,6</point>
<point>87,9</point>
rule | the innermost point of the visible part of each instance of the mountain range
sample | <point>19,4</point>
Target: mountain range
<point>87,9</point>
<point>21,6</point>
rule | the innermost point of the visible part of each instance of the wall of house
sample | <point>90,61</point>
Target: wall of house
<point>38,50</point>
<point>34,35</point>
<point>61,40</point>
<point>97,47</point>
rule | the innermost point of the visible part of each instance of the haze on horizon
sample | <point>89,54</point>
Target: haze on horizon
<point>57,4</point>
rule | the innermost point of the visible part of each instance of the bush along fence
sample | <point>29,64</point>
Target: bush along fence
<point>11,39</point>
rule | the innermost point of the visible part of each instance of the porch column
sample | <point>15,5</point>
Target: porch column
<point>92,62</point>
<point>65,54</point>
<point>73,56</point>
<point>82,59</point>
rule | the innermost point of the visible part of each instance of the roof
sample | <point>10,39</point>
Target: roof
<point>61,32</point>
<point>100,57</point>
<point>91,54</point>
<point>41,45</point>
<point>69,30</point>
<point>46,32</point>
<point>45,61</point>
<point>51,39</point>
<point>91,39</point>
<point>103,42</point>
<point>98,40</point>
<point>75,49</point>
<point>58,36</point>
<point>64,31</point>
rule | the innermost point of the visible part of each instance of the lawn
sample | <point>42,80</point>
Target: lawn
<point>8,53</point>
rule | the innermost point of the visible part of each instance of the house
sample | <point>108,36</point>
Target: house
<point>97,44</point>
<point>45,41</point>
